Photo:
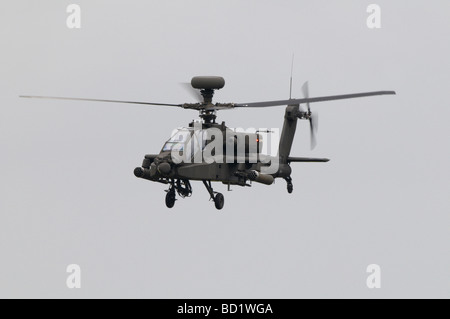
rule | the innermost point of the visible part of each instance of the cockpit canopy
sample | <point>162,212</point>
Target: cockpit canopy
<point>178,139</point>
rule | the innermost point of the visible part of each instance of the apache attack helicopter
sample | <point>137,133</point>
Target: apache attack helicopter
<point>229,166</point>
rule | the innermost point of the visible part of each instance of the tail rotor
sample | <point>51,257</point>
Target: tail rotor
<point>313,117</point>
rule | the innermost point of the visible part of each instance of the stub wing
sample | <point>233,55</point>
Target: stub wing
<point>307,160</point>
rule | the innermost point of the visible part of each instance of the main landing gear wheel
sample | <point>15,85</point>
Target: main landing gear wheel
<point>170,199</point>
<point>218,198</point>
<point>219,201</point>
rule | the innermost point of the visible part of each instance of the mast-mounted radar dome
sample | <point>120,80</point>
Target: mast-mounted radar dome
<point>208,82</point>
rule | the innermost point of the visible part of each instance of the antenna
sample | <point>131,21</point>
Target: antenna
<point>292,70</point>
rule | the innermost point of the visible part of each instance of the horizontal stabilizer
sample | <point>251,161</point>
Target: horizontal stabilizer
<point>307,160</point>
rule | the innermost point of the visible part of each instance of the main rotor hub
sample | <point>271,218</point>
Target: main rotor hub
<point>208,95</point>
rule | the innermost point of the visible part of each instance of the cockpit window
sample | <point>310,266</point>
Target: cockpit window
<point>178,140</point>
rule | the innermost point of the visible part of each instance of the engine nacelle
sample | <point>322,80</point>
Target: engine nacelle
<point>243,143</point>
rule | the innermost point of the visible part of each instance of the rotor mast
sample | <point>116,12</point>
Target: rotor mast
<point>208,115</point>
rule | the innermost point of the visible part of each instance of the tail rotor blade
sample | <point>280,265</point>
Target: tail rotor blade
<point>313,117</point>
<point>313,124</point>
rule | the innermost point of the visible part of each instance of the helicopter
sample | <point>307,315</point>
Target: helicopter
<point>209,152</point>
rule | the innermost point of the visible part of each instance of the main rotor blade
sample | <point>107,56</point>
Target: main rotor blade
<point>194,93</point>
<point>96,100</point>
<point>314,99</point>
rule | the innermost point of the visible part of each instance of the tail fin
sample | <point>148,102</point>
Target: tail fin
<point>288,132</point>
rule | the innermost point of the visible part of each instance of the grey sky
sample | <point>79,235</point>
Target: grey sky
<point>67,190</point>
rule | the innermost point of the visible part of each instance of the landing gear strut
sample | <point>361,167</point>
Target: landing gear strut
<point>290,187</point>
<point>218,198</point>
<point>182,187</point>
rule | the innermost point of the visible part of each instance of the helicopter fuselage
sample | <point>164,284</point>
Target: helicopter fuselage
<point>234,159</point>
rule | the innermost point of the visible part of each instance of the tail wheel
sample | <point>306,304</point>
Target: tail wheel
<point>219,201</point>
<point>170,199</point>
<point>290,188</point>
